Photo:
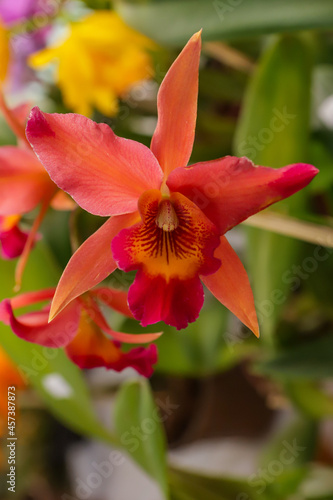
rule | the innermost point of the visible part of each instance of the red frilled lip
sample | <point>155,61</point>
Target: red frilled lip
<point>167,287</point>
<point>231,189</point>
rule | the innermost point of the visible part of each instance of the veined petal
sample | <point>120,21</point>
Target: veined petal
<point>90,264</point>
<point>23,181</point>
<point>91,348</point>
<point>230,190</point>
<point>34,327</point>
<point>173,244</point>
<point>105,174</point>
<point>177,98</point>
<point>231,286</point>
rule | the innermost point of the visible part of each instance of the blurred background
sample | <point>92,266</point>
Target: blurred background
<point>226,416</point>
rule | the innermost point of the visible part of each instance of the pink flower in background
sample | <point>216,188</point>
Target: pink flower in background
<point>82,330</point>
<point>167,220</point>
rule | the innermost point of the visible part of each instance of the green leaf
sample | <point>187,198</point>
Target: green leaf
<point>273,131</point>
<point>293,448</point>
<point>310,399</point>
<point>318,485</point>
<point>323,159</point>
<point>205,487</point>
<point>140,430</point>
<point>56,379</point>
<point>308,361</point>
<point>173,22</point>
<point>200,350</point>
<point>59,382</point>
<point>209,487</point>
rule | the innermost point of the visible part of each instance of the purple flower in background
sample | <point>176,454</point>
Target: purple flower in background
<point>13,12</point>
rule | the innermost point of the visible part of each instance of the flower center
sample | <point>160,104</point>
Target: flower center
<point>166,218</point>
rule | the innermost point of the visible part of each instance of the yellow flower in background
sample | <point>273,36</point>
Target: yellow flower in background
<point>99,62</point>
<point>4,52</point>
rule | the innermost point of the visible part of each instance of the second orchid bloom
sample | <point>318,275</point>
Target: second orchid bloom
<point>168,220</point>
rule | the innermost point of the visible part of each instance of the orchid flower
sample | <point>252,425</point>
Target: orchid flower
<point>24,184</point>
<point>82,330</point>
<point>168,220</point>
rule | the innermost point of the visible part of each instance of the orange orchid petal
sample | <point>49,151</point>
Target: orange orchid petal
<point>9,374</point>
<point>231,189</point>
<point>115,299</point>
<point>62,201</point>
<point>15,119</point>
<point>97,317</point>
<point>21,113</point>
<point>173,139</point>
<point>34,327</point>
<point>231,286</point>
<point>29,298</point>
<point>105,174</point>
<point>91,348</point>
<point>23,181</point>
<point>90,264</point>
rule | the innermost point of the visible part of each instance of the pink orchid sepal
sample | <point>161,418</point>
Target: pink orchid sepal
<point>81,329</point>
<point>167,220</point>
